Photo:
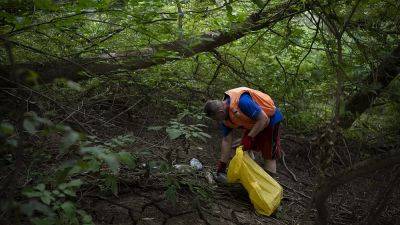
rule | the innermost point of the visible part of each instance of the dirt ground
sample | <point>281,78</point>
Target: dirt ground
<point>142,199</point>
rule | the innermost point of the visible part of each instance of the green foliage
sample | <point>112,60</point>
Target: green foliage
<point>54,201</point>
<point>7,137</point>
<point>174,184</point>
<point>172,188</point>
<point>55,206</point>
<point>177,129</point>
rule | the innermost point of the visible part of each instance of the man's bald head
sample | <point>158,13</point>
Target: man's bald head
<point>213,108</point>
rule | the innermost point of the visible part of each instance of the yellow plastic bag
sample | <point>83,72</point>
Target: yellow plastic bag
<point>264,192</point>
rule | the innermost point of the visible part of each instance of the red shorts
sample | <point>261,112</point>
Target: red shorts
<point>268,142</point>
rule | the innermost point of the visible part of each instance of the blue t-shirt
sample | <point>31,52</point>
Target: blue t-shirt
<point>251,109</point>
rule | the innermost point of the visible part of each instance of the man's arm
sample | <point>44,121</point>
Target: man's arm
<point>255,112</point>
<point>226,146</point>
<point>262,121</point>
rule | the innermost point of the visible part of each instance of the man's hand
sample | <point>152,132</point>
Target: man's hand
<point>248,143</point>
<point>221,167</point>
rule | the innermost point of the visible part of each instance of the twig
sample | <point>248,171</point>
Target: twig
<point>347,150</point>
<point>263,7</point>
<point>26,100</point>
<point>242,75</point>
<point>311,45</point>
<point>340,158</point>
<point>296,191</point>
<point>214,77</point>
<point>284,163</point>
<point>346,23</point>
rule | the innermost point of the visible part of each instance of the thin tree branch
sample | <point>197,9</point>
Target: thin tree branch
<point>310,48</point>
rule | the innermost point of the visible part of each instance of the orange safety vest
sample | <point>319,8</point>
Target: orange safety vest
<point>239,119</point>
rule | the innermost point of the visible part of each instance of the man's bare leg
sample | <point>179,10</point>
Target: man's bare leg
<point>270,166</point>
<point>251,154</point>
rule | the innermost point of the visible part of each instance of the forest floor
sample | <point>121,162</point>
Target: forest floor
<point>142,199</point>
<point>145,195</point>
<point>144,202</point>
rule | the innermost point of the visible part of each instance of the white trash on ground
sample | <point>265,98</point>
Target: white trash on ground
<point>196,164</point>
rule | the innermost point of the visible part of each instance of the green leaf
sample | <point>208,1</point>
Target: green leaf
<point>112,162</point>
<point>69,209</point>
<point>69,192</point>
<point>72,184</point>
<point>111,182</point>
<point>6,128</point>
<point>40,187</point>
<point>62,173</point>
<point>96,150</point>
<point>69,139</point>
<point>170,194</point>
<point>93,165</point>
<point>30,193</point>
<point>33,205</point>
<point>86,218</point>
<point>56,192</point>
<point>173,133</point>
<point>127,159</point>
<point>75,183</point>
<point>155,128</point>
<point>46,197</point>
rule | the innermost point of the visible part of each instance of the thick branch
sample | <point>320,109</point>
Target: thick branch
<point>360,169</point>
<point>380,79</point>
